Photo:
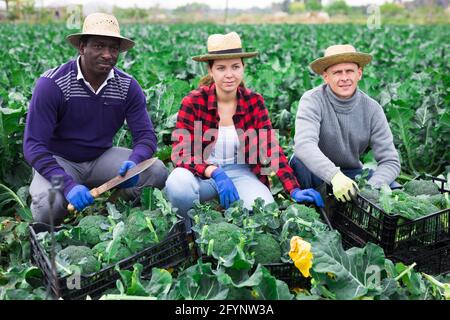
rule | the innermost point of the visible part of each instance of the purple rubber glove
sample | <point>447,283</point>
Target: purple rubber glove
<point>227,191</point>
<point>307,195</point>
<point>123,170</point>
<point>80,197</point>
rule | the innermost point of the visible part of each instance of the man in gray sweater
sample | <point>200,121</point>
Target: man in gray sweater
<point>336,123</point>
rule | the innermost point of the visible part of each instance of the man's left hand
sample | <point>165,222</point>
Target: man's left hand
<point>123,170</point>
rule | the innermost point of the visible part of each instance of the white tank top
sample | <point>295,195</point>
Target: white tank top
<point>226,148</point>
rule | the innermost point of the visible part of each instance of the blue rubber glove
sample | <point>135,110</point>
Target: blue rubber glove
<point>307,195</point>
<point>227,191</point>
<point>123,170</point>
<point>80,197</point>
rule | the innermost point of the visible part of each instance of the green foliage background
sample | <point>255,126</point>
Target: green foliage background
<point>409,76</point>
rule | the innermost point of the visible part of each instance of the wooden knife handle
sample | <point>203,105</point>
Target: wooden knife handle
<point>94,192</point>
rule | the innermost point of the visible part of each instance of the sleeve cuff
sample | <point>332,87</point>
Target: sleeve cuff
<point>68,187</point>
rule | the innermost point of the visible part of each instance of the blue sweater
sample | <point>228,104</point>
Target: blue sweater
<point>67,119</point>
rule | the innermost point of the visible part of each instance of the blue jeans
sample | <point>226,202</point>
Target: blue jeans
<point>309,180</point>
<point>183,188</point>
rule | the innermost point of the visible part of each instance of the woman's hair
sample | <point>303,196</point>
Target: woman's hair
<point>208,80</point>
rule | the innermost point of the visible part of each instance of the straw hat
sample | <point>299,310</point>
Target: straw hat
<point>101,24</point>
<point>224,46</point>
<point>338,54</point>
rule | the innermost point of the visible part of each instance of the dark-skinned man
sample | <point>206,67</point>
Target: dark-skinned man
<point>75,111</point>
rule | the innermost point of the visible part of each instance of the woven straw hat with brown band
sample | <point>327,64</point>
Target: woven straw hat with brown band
<point>339,54</point>
<point>101,24</point>
<point>224,46</point>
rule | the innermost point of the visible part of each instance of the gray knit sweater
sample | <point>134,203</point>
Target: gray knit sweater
<point>332,133</point>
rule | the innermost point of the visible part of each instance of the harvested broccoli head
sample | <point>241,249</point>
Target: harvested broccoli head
<point>112,255</point>
<point>398,202</point>
<point>142,230</point>
<point>205,213</point>
<point>437,200</point>
<point>413,208</point>
<point>80,256</point>
<point>417,187</point>
<point>225,237</point>
<point>370,194</point>
<point>92,228</point>
<point>267,249</point>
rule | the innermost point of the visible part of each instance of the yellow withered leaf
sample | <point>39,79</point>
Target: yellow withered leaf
<point>301,254</point>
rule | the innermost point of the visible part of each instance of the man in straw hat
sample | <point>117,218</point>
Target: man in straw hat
<point>75,111</point>
<point>336,122</point>
<point>229,167</point>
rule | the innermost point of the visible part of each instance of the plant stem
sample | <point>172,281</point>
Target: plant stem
<point>303,222</point>
<point>68,271</point>
<point>150,226</point>
<point>405,271</point>
<point>435,281</point>
<point>405,176</point>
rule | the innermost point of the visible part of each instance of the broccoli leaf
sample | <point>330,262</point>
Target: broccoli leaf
<point>160,283</point>
<point>237,259</point>
<point>271,288</point>
<point>113,212</point>
<point>198,282</point>
<point>349,275</point>
<point>239,278</point>
<point>131,281</point>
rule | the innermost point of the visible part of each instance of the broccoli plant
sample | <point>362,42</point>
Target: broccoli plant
<point>114,250</point>
<point>110,239</point>
<point>236,213</point>
<point>219,239</point>
<point>77,258</point>
<point>267,216</point>
<point>143,230</point>
<point>442,288</point>
<point>203,214</point>
<point>418,187</point>
<point>370,194</point>
<point>298,220</point>
<point>103,251</point>
<point>267,249</point>
<point>93,229</point>
<point>405,205</point>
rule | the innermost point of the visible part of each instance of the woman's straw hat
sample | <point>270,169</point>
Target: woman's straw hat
<point>224,46</point>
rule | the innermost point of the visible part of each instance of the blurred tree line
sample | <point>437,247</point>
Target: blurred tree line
<point>398,12</point>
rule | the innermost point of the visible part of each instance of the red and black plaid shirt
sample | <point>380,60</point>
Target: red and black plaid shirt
<point>198,114</point>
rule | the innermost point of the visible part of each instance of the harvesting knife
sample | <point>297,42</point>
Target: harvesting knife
<point>95,192</point>
<point>325,217</point>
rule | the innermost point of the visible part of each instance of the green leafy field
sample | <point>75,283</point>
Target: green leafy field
<point>409,76</point>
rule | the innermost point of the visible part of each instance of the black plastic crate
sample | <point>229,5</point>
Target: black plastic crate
<point>289,273</point>
<point>433,259</point>
<point>365,221</point>
<point>168,253</point>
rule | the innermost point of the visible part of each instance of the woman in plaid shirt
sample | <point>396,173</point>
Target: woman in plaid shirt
<point>224,142</point>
